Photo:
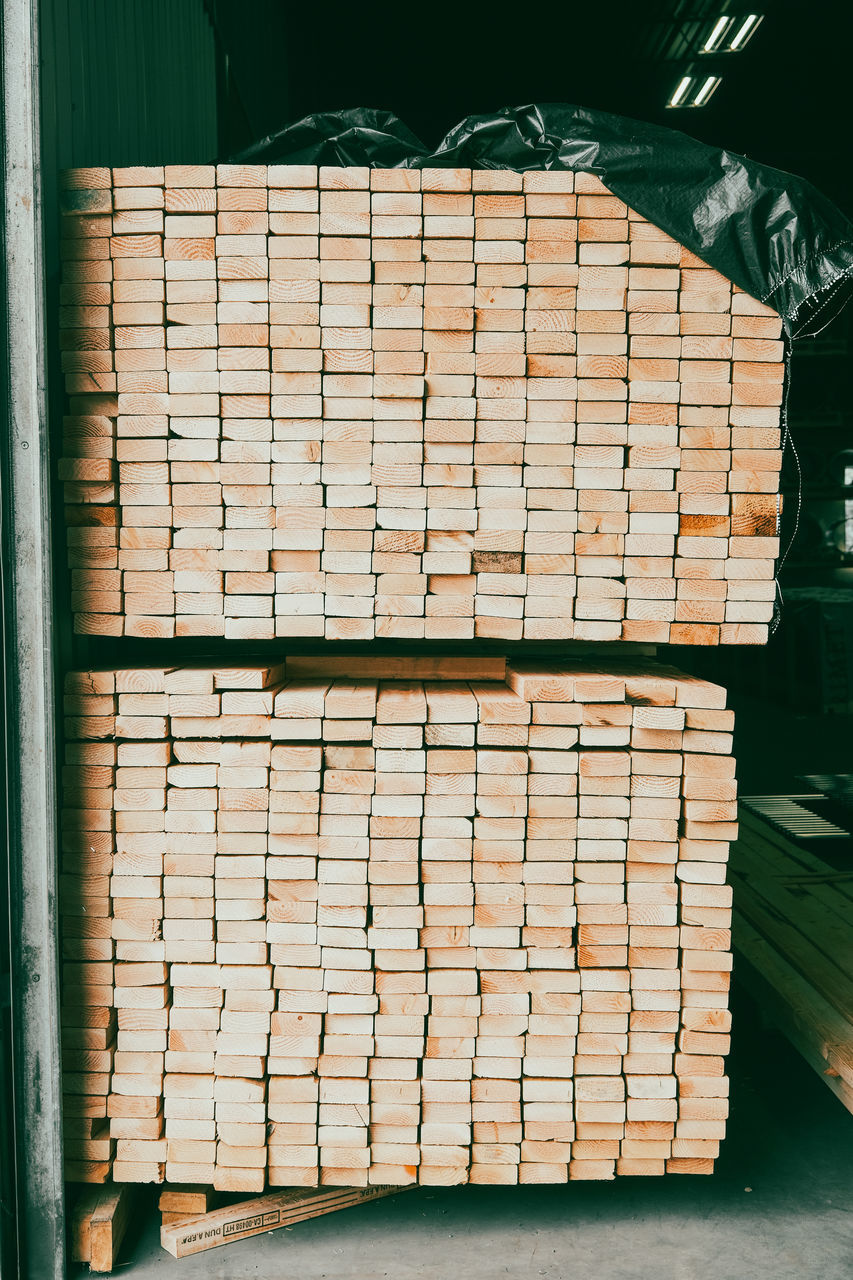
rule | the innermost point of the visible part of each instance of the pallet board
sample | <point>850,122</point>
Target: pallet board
<point>793,927</point>
<point>437,404</point>
<point>321,930</point>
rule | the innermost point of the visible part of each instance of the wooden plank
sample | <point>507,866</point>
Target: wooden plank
<point>391,667</point>
<point>826,912</point>
<point>805,866</point>
<point>791,928</point>
<point>265,1213</point>
<point>188,1200</point>
<point>813,1026</point>
<point>98,1222</point>
<point>80,1220</point>
<point>775,914</point>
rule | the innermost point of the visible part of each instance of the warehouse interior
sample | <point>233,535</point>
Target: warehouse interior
<point>196,81</point>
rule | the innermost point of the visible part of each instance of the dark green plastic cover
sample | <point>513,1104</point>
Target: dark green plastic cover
<point>773,234</point>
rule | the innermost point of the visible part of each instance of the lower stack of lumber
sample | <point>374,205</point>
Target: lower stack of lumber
<point>792,931</point>
<point>454,920</point>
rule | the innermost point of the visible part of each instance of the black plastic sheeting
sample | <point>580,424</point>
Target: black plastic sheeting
<point>773,234</point>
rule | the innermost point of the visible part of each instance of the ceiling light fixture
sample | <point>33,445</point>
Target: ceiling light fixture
<point>745,31</point>
<point>680,92</point>
<point>706,90</point>
<point>715,36</point>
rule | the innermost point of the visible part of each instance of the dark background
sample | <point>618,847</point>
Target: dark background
<point>785,98</point>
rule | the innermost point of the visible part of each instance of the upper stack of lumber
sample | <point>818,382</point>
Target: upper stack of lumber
<point>449,922</point>
<point>352,403</point>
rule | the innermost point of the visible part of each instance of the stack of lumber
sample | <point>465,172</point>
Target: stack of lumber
<point>792,931</point>
<point>454,920</point>
<point>437,404</point>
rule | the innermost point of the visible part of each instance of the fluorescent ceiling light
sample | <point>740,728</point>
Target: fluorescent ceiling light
<point>705,92</point>
<point>720,28</point>
<point>680,92</point>
<point>745,31</point>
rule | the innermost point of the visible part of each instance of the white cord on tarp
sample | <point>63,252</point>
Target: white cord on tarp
<point>787,438</point>
<point>787,443</point>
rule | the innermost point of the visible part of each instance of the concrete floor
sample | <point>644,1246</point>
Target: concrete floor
<point>779,1207</point>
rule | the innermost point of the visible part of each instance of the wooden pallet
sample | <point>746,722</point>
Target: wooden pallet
<point>793,931</point>
<point>361,931</point>
<point>352,403</point>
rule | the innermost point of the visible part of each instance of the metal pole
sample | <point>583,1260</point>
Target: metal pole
<point>29,647</point>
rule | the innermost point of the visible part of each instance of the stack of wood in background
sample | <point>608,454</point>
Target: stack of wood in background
<point>792,923</point>
<point>451,921</point>
<point>352,403</point>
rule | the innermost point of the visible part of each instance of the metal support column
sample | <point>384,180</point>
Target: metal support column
<point>31,782</point>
